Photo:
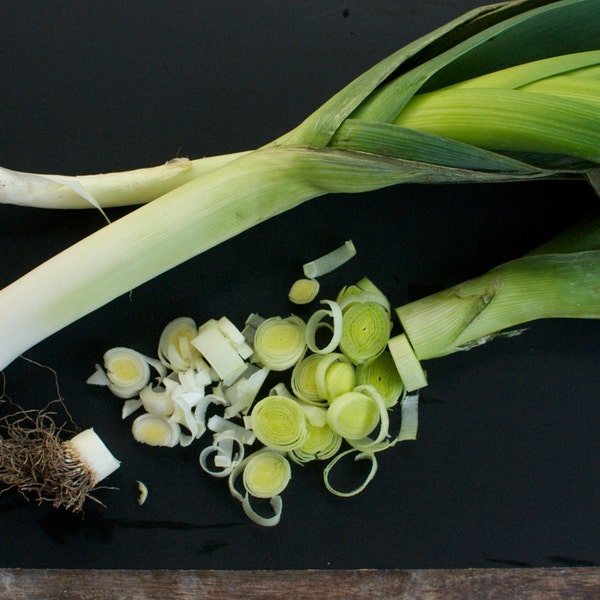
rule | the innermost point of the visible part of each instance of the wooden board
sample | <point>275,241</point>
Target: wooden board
<point>525,584</point>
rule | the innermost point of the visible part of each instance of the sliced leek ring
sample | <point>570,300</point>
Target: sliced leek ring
<point>127,370</point>
<point>279,423</point>
<point>279,343</point>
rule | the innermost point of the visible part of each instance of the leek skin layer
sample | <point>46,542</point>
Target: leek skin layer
<point>303,164</point>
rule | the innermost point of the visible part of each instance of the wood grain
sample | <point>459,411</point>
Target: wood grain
<point>454,584</point>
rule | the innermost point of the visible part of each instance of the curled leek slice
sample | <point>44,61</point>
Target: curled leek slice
<point>157,401</point>
<point>408,365</point>
<point>127,370</point>
<point>359,456</point>
<point>335,376</point>
<point>321,319</point>
<point>279,343</point>
<point>330,261</point>
<point>225,459</point>
<point>175,350</point>
<point>155,431</point>
<point>366,330</point>
<point>322,443</point>
<point>245,498</point>
<point>266,474</point>
<point>304,291</point>
<point>303,380</point>
<point>279,423</point>
<point>363,291</point>
<point>354,415</point>
<point>379,442</point>
<point>382,374</point>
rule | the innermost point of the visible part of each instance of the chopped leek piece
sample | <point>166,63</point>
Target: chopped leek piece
<point>335,375</point>
<point>366,330</point>
<point>155,431</point>
<point>213,343</point>
<point>410,418</point>
<point>322,443</point>
<point>157,400</point>
<point>303,379</point>
<point>266,474</point>
<point>382,374</point>
<point>143,490</point>
<point>174,346</point>
<point>359,456</point>
<point>408,365</point>
<point>127,370</point>
<point>354,415</point>
<point>304,291</point>
<point>279,423</point>
<point>317,321</point>
<point>279,343</point>
<point>330,261</point>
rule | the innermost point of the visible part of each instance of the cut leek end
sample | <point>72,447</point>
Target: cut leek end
<point>409,367</point>
<point>93,453</point>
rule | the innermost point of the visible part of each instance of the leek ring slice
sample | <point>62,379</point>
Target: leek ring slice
<point>317,322</point>
<point>279,423</point>
<point>366,328</point>
<point>280,343</point>
<point>360,456</point>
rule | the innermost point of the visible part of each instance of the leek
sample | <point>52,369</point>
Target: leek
<point>384,128</point>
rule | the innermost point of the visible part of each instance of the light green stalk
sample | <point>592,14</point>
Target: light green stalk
<point>533,287</point>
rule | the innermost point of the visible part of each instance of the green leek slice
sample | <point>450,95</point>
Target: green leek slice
<point>279,343</point>
<point>354,415</point>
<point>304,291</point>
<point>382,374</point>
<point>330,261</point>
<point>366,330</point>
<point>279,423</point>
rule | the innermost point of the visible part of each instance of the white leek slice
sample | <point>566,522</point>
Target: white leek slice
<point>130,406</point>
<point>304,291</point>
<point>217,349</point>
<point>360,456</point>
<point>410,418</point>
<point>157,400</point>
<point>317,321</point>
<point>330,261</point>
<point>223,452</point>
<point>155,431</point>
<point>279,423</point>
<point>382,374</point>
<point>201,408</point>
<point>366,328</point>
<point>220,425</point>
<point>279,343</point>
<point>184,416</point>
<point>143,490</point>
<point>127,370</point>
<point>235,336</point>
<point>408,365</point>
<point>98,377</point>
<point>354,415</point>
<point>174,346</point>
<point>244,391</point>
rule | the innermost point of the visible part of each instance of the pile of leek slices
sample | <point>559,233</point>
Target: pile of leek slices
<point>336,382</point>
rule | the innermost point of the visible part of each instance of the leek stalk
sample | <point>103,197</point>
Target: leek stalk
<point>357,141</point>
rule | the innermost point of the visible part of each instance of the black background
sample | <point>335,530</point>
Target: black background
<point>505,470</point>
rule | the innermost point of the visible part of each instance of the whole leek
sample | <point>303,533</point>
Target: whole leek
<point>367,136</point>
